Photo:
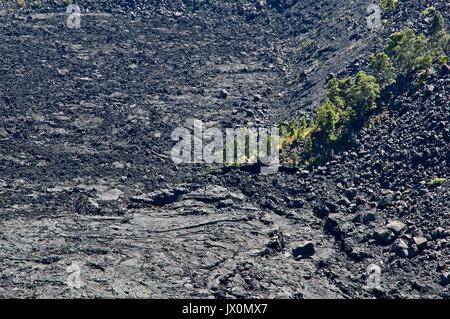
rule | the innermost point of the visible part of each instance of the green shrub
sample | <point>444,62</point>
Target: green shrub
<point>388,5</point>
<point>353,96</point>
<point>437,181</point>
<point>348,103</point>
<point>297,129</point>
<point>439,37</point>
<point>338,91</point>
<point>325,120</point>
<point>424,62</point>
<point>408,51</point>
<point>363,94</point>
<point>443,59</point>
<point>324,133</point>
<point>383,69</point>
<point>428,10</point>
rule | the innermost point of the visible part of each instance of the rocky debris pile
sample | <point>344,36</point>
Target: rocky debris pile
<point>378,199</point>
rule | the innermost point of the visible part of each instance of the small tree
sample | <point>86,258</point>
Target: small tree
<point>324,134</point>
<point>338,92</point>
<point>383,69</point>
<point>364,94</point>
<point>407,50</point>
<point>439,37</point>
<point>327,116</point>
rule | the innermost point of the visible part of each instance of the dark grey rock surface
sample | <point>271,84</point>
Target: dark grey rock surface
<point>86,177</point>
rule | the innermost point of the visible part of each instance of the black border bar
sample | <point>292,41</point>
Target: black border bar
<point>202,309</point>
